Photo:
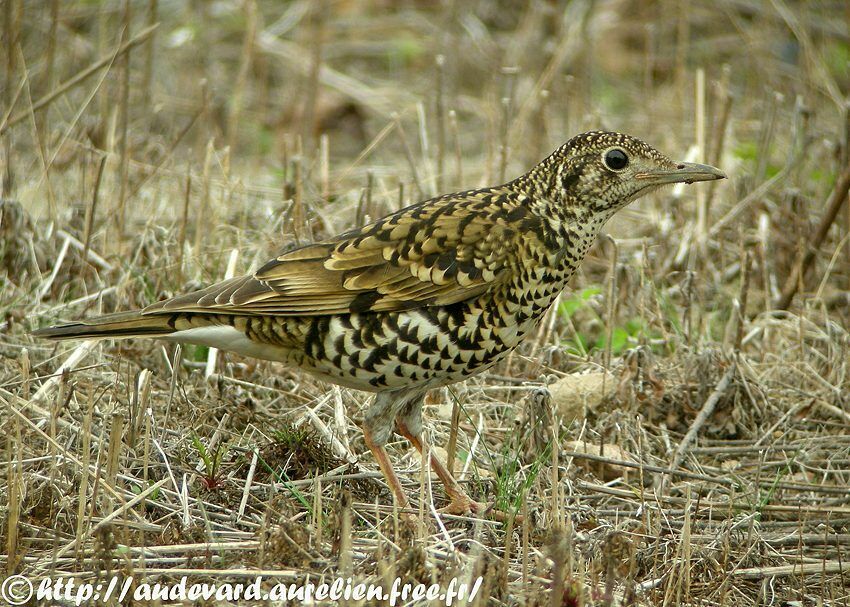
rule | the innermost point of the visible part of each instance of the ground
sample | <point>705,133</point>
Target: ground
<point>678,432</point>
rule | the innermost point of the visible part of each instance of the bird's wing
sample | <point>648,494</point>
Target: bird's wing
<point>439,252</point>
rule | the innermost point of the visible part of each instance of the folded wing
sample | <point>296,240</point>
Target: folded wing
<point>439,252</point>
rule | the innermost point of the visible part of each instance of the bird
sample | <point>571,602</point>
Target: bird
<point>424,297</point>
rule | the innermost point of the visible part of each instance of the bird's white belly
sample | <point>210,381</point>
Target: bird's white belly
<point>231,339</point>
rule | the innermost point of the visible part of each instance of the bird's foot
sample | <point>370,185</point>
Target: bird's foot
<point>462,504</point>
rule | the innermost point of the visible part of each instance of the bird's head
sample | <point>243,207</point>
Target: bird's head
<point>604,171</point>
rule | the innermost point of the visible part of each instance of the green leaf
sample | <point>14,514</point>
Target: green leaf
<point>570,305</point>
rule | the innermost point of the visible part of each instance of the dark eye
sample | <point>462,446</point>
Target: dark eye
<point>616,159</point>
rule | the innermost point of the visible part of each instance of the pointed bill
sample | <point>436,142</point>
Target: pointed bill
<point>684,172</point>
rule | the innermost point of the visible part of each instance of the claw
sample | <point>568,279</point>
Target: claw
<point>463,504</point>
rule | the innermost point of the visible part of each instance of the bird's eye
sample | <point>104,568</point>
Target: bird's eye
<point>616,159</point>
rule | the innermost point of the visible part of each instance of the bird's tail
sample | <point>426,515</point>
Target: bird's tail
<point>114,326</point>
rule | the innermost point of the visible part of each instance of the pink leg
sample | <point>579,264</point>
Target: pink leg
<point>460,503</point>
<point>386,468</point>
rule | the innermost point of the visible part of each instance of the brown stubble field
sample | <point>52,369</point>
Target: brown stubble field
<point>701,457</point>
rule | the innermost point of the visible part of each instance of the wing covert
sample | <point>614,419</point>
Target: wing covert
<point>438,252</point>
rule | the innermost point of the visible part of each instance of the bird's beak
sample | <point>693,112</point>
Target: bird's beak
<point>685,172</point>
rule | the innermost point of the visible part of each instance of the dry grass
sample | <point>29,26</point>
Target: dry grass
<point>236,129</point>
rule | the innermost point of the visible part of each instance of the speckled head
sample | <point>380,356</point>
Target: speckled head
<point>605,171</point>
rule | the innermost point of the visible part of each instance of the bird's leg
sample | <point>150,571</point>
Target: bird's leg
<point>386,468</point>
<point>460,503</point>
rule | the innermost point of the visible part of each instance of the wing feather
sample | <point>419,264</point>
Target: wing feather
<point>438,252</point>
